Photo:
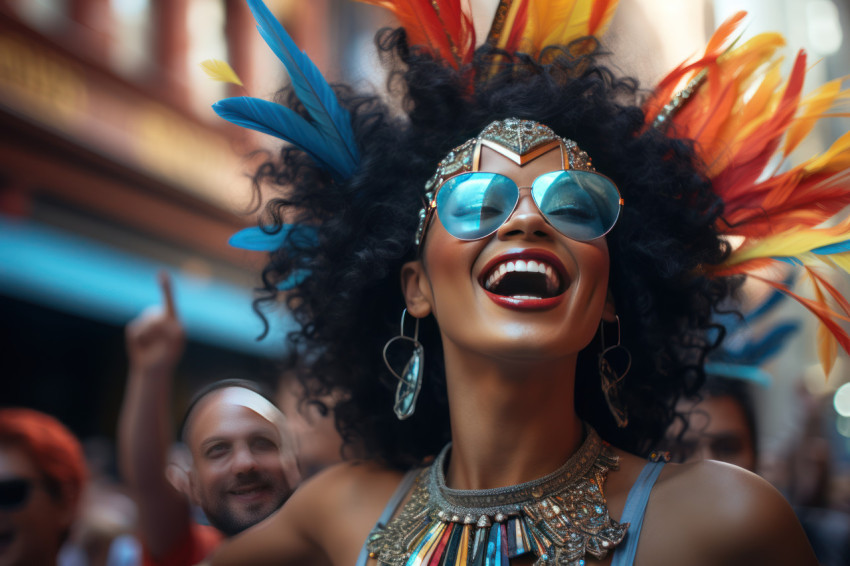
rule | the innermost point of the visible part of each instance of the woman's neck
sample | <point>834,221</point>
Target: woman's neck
<point>512,422</point>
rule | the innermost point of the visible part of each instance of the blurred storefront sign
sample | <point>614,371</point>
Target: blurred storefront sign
<point>99,112</point>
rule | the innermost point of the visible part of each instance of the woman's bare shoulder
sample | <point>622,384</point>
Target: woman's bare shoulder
<point>339,506</point>
<point>347,480</point>
<point>721,514</point>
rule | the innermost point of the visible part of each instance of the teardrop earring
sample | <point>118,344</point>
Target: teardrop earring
<point>410,380</point>
<point>610,379</point>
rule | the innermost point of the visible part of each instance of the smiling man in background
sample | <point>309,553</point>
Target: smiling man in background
<point>237,463</point>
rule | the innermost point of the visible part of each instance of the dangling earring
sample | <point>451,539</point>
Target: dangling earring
<point>610,379</point>
<point>410,380</point>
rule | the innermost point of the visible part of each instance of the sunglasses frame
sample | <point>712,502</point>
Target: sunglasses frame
<point>431,207</point>
<point>543,214</point>
<point>28,486</point>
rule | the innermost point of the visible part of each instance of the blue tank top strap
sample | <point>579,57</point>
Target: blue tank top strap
<point>389,510</point>
<point>633,513</point>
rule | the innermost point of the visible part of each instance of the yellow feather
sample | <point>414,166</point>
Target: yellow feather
<point>220,70</point>
<point>842,261</point>
<point>813,105</point>
<point>558,22</point>
<point>764,98</point>
<point>749,115</point>
<point>760,108</point>
<point>792,243</point>
<point>836,158</point>
<point>838,262</point>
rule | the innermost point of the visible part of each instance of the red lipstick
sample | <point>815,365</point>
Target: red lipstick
<point>517,301</point>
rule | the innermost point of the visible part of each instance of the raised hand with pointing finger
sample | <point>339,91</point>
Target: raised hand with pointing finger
<point>156,338</point>
<point>155,342</point>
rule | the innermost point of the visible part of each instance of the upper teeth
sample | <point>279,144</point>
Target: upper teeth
<point>521,265</point>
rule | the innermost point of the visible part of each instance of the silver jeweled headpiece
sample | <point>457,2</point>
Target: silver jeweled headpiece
<point>519,140</point>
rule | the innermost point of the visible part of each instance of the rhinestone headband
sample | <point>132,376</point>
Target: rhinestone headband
<point>519,140</point>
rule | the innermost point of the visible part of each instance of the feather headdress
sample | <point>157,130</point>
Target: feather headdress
<point>444,27</point>
<point>328,137</point>
<point>745,121</point>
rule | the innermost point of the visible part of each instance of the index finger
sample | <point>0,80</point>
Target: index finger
<point>167,295</point>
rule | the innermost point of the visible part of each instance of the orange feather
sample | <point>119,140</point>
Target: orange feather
<point>827,343</point>
<point>744,118</point>
<point>821,311</point>
<point>814,105</point>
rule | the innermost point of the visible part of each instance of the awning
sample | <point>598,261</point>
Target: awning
<point>65,271</point>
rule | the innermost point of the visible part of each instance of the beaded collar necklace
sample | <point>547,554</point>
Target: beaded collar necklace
<point>560,518</point>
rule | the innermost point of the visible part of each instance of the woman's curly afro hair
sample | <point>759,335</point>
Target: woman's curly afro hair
<point>350,305</point>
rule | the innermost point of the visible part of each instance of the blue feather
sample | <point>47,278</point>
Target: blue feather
<point>332,121</point>
<point>261,240</point>
<point>757,351</point>
<point>735,371</point>
<point>775,298</point>
<point>837,248</point>
<point>298,276</point>
<point>279,121</point>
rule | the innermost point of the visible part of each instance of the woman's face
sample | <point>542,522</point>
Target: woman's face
<point>519,314</point>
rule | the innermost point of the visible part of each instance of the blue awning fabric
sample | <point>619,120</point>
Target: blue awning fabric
<point>67,272</point>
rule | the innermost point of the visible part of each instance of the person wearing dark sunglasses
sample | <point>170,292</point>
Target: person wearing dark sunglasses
<point>42,477</point>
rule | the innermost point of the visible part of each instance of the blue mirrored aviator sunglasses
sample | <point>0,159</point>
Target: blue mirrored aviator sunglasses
<point>581,205</point>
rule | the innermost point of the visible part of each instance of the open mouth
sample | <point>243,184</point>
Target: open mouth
<point>525,278</point>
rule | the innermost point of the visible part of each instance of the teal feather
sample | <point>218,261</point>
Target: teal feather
<point>264,240</point>
<point>261,240</point>
<point>281,122</point>
<point>298,276</point>
<point>836,248</point>
<point>332,123</point>
<point>738,371</point>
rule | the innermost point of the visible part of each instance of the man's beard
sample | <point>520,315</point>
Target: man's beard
<point>222,516</point>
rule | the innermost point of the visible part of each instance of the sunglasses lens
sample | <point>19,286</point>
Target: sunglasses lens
<point>14,492</point>
<point>474,205</point>
<point>581,205</point>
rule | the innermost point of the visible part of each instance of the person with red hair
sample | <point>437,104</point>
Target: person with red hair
<point>42,476</point>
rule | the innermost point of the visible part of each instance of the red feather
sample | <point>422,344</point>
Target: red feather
<point>520,21</point>
<point>598,12</point>
<point>443,26</point>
